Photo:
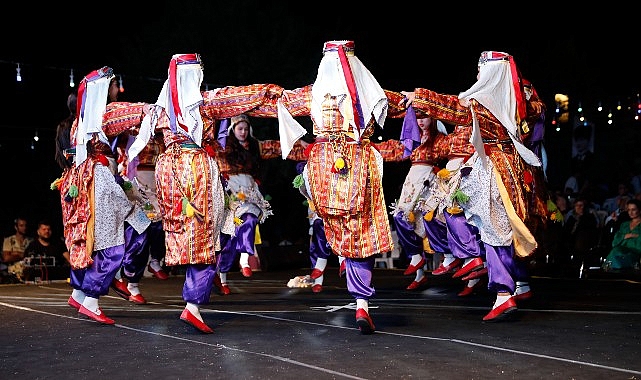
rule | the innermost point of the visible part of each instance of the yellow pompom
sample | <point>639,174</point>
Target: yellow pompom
<point>237,221</point>
<point>189,211</point>
<point>443,174</point>
<point>311,206</point>
<point>339,164</point>
<point>410,217</point>
<point>241,196</point>
<point>428,216</point>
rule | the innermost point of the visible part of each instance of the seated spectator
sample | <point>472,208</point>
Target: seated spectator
<point>613,221</point>
<point>45,246</point>
<point>46,258</point>
<point>626,245</point>
<point>13,251</point>
<point>618,202</point>
<point>581,229</point>
<point>575,185</point>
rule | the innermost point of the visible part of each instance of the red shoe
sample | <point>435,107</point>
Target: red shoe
<point>476,274</point>
<point>224,290</point>
<point>364,322</point>
<point>471,289</point>
<point>316,273</point>
<point>317,288</point>
<point>73,303</point>
<point>417,284</point>
<point>102,318</point>
<point>189,318</point>
<point>523,296</point>
<point>120,287</point>
<point>342,269</point>
<point>413,268</point>
<point>502,312</point>
<point>443,269</point>
<point>475,264</point>
<point>159,274</point>
<point>138,298</point>
<point>246,271</point>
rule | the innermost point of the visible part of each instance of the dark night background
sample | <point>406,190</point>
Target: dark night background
<point>405,45</point>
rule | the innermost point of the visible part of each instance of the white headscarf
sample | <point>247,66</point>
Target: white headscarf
<point>186,119</point>
<point>331,80</point>
<point>92,102</point>
<point>495,91</point>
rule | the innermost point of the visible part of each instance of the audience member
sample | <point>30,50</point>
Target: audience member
<point>48,257</point>
<point>13,249</point>
<point>575,184</point>
<point>613,221</point>
<point>618,202</point>
<point>580,229</point>
<point>44,245</point>
<point>626,245</point>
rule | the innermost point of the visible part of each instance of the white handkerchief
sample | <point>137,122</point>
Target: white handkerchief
<point>289,130</point>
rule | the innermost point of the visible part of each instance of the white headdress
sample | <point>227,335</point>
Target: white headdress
<point>93,92</point>
<point>181,99</point>
<point>498,89</point>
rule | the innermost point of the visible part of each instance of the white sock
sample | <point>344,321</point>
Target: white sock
<point>320,264</point>
<point>471,283</point>
<point>118,275</point>
<point>91,304</point>
<point>78,295</point>
<point>155,265</point>
<point>340,259</point>
<point>468,260</point>
<point>522,287</point>
<point>419,275</point>
<point>223,277</point>
<point>319,281</point>
<point>500,300</point>
<point>415,259</point>
<point>195,310</point>
<point>362,304</point>
<point>244,259</point>
<point>448,259</point>
<point>133,288</point>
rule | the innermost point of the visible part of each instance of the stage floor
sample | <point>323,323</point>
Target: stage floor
<point>570,329</point>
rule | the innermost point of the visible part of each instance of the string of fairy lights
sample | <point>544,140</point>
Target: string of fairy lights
<point>623,111</point>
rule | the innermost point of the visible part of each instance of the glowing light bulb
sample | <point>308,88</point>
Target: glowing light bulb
<point>18,76</point>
